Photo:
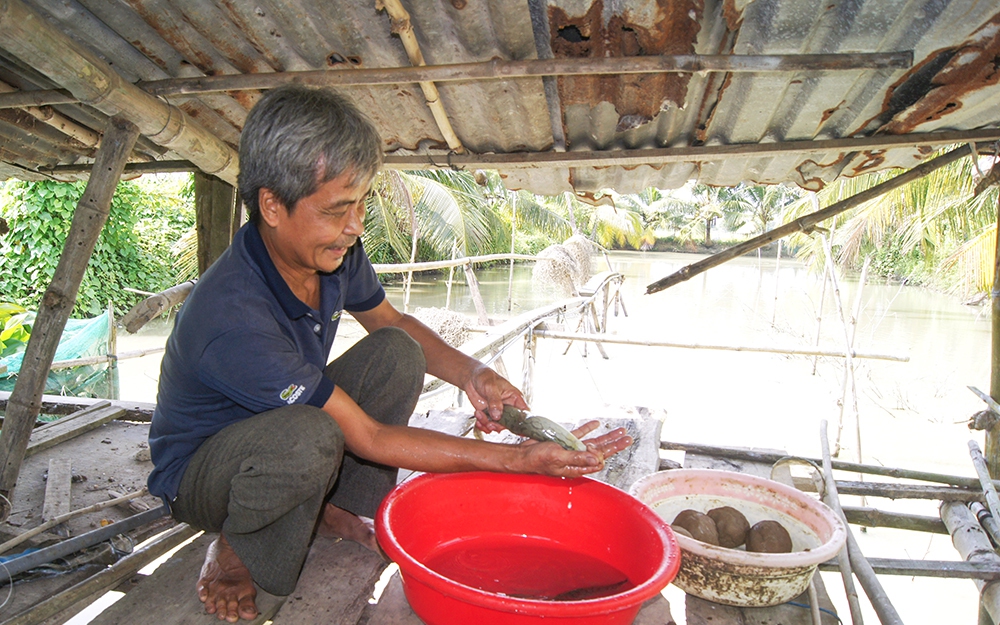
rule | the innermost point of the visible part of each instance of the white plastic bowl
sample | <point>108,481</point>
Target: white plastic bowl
<point>734,576</point>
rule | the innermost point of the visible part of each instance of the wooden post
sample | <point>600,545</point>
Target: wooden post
<point>451,276</point>
<point>860,566</point>
<point>57,302</point>
<point>993,433</point>
<point>214,202</point>
<point>510,275</point>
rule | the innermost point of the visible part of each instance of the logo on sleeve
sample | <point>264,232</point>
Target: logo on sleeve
<point>335,316</point>
<point>290,394</point>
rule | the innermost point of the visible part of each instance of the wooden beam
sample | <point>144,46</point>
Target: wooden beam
<point>807,222</point>
<point>71,426</point>
<point>37,43</point>
<point>214,201</point>
<point>149,167</point>
<point>55,404</point>
<point>58,487</point>
<point>58,301</point>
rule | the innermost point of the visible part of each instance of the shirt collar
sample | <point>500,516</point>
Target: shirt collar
<point>293,306</point>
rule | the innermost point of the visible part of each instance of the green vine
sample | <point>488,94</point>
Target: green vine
<point>133,249</point>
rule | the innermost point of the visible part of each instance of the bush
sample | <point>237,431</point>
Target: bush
<point>133,249</point>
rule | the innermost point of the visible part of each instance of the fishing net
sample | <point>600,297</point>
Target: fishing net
<point>81,338</point>
<point>568,268</point>
<point>453,327</point>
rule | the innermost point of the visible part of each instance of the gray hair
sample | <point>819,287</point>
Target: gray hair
<point>297,138</point>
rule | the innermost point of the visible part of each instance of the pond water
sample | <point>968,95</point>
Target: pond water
<point>909,414</point>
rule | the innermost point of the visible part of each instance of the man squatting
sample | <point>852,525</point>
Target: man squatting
<point>254,435</point>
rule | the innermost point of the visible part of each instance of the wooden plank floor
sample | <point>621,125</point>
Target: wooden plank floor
<point>338,577</point>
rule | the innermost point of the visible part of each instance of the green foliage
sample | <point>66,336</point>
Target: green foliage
<point>131,251</point>
<point>930,231</point>
<point>15,331</point>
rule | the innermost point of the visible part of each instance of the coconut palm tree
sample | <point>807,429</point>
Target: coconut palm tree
<point>930,230</point>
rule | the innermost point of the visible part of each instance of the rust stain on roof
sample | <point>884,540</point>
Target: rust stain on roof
<point>936,87</point>
<point>637,97</point>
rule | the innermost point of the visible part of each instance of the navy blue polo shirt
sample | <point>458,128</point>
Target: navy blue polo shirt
<point>243,344</point>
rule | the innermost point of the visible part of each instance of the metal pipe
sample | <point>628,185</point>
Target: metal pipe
<point>498,69</point>
<point>66,547</point>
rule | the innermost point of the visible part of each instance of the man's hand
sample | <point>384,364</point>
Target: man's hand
<point>551,459</point>
<point>488,392</point>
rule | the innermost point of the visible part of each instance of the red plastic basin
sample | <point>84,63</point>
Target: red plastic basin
<point>524,549</point>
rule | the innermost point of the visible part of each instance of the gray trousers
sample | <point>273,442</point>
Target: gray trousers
<point>263,481</point>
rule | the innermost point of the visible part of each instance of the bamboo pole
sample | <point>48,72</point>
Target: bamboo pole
<point>979,462</point>
<point>848,358</point>
<point>58,300</point>
<point>872,517</point>
<point>764,349</point>
<point>993,433</point>
<point>808,222</point>
<point>510,274</point>
<point>843,556</point>
<point>451,275</point>
<point>974,546</point>
<point>840,465</point>
<point>822,290</point>
<point>27,36</point>
<point>62,518</point>
<point>402,27</point>
<point>95,360</point>
<point>36,558</point>
<point>861,567</point>
<point>455,262</point>
<point>992,403</point>
<point>897,491</point>
<point>777,271</point>
<point>149,308</point>
<point>944,569</point>
<point>849,369</point>
<point>987,521</point>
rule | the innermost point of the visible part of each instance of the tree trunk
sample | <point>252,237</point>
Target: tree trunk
<point>57,302</point>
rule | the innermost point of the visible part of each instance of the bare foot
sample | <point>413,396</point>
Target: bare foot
<point>225,585</point>
<point>339,523</point>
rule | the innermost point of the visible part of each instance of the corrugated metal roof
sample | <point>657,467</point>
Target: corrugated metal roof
<point>506,123</point>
